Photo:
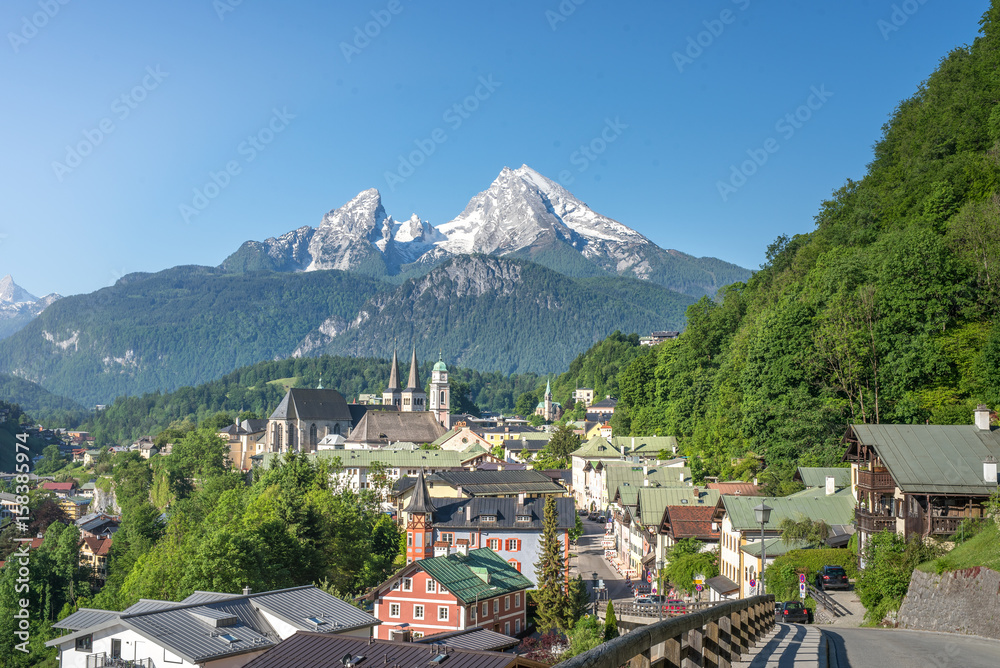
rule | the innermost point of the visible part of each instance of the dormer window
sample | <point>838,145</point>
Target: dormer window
<point>524,518</point>
<point>488,518</point>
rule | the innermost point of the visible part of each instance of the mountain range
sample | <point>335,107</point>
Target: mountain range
<point>522,214</point>
<point>523,280</point>
<point>18,307</point>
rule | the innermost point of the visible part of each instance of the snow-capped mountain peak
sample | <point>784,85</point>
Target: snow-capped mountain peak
<point>12,293</point>
<point>18,306</point>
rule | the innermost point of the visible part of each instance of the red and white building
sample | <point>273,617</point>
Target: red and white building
<point>450,592</point>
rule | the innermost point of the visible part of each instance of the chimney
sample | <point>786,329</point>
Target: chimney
<point>246,591</point>
<point>681,474</point>
<point>459,489</point>
<point>990,469</point>
<point>645,482</point>
<point>468,512</point>
<point>520,498</point>
<point>462,549</point>
<point>982,416</point>
<point>831,486</point>
<point>645,470</point>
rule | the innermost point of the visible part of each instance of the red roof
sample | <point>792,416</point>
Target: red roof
<point>58,486</point>
<point>692,522</point>
<point>735,488</point>
<point>99,546</point>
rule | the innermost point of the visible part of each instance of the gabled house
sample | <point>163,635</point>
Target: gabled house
<point>461,439</point>
<point>922,480</point>
<point>467,484</point>
<point>469,588</point>
<point>207,629</point>
<point>75,507</point>
<point>60,489</point>
<point>94,556</point>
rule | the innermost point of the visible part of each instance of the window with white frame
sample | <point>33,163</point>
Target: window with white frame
<point>486,609</point>
<point>418,612</point>
<point>394,609</point>
<point>506,603</point>
<point>431,586</point>
<point>496,605</point>
<point>517,625</point>
<point>442,613</point>
<point>517,600</point>
<point>407,584</point>
<point>506,628</point>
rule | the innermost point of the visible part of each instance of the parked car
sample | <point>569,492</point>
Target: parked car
<point>583,511</point>
<point>601,519</point>
<point>649,599</point>
<point>832,577</point>
<point>592,516</point>
<point>793,611</point>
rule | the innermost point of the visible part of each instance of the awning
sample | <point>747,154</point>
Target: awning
<point>648,559</point>
<point>722,584</point>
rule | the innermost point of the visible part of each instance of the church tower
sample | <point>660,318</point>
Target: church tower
<point>414,397</point>
<point>419,525</point>
<point>440,399</point>
<point>392,395</point>
<point>548,402</point>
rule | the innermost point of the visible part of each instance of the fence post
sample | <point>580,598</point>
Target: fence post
<point>691,652</point>
<point>710,648</point>
<point>755,623</point>
<point>643,660</point>
<point>672,652</point>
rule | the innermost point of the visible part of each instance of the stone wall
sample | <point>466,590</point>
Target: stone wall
<point>966,601</point>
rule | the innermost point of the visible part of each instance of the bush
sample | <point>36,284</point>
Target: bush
<point>782,577</point>
<point>889,564</point>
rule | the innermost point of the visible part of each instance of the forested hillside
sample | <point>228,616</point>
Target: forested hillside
<point>886,312</point>
<point>51,409</point>
<point>501,314</point>
<point>178,327</point>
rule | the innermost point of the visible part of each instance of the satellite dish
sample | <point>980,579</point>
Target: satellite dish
<point>346,659</point>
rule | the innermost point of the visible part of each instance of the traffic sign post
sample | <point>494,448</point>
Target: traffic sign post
<point>802,590</point>
<point>649,577</point>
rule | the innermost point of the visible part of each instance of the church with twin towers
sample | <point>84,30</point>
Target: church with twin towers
<point>412,398</point>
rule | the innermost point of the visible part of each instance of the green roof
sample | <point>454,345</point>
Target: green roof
<point>597,448</point>
<point>819,492</point>
<point>653,500</point>
<point>815,476</point>
<point>644,445</point>
<point>466,576</point>
<point>933,459</point>
<point>444,437</point>
<point>833,509</point>
<point>622,478</point>
<point>775,547</point>
<point>391,458</point>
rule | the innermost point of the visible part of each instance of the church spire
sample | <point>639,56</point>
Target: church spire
<point>420,502</point>
<point>394,373</point>
<point>414,383</point>
<point>548,388</point>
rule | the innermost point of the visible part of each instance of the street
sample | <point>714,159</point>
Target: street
<point>590,559</point>
<point>878,648</point>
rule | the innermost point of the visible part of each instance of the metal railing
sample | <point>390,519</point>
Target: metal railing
<point>827,601</point>
<point>102,660</point>
<point>655,610</point>
<point>715,638</point>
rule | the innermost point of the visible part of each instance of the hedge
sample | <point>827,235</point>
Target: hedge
<point>782,577</point>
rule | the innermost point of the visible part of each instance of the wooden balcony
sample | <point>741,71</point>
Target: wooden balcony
<point>874,522</point>
<point>876,481</point>
<point>945,526</point>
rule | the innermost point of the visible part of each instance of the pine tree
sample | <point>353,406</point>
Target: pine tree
<point>553,601</point>
<point>579,600</point>
<point>610,623</point>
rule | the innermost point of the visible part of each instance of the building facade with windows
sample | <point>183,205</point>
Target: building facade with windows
<point>453,592</point>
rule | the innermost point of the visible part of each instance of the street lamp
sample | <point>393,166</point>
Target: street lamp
<point>763,514</point>
<point>659,586</point>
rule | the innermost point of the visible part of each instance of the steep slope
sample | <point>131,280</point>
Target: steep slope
<point>39,403</point>
<point>18,307</point>
<point>887,312</point>
<point>522,214</point>
<point>499,314</point>
<point>178,327</point>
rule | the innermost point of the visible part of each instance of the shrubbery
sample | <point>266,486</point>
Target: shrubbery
<point>782,577</point>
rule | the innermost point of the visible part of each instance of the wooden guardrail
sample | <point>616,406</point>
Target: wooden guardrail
<point>714,638</point>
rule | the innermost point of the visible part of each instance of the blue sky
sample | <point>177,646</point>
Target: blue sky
<point>305,110</point>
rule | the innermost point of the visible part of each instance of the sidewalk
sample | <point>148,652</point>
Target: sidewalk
<point>788,646</point>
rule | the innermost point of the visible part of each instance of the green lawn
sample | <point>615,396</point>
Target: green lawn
<point>981,550</point>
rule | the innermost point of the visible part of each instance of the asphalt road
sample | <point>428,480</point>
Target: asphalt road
<point>590,559</point>
<point>886,648</point>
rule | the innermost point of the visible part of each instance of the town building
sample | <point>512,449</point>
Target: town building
<point>584,395</point>
<point>94,557</point>
<point>440,392</point>
<point>460,438</point>
<point>922,480</point>
<point>656,338</point>
<point>548,409</point>
<point>74,507</point>
<point>304,417</point>
<point>468,484</point>
<point>469,588</point>
<point>205,630</point>
<point>60,489</point>
<point>245,439</point>
<point>602,410</point>
<point>510,526</point>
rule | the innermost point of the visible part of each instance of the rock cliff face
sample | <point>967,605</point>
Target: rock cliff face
<point>18,307</point>
<point>522,214</point>
<point>966,601</point>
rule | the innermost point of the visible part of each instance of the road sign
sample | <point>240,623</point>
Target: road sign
<point>699,587</point>
<point>802,578</point>
<point>649,578</point>
<point>802,590</point>
<point>753,583</point>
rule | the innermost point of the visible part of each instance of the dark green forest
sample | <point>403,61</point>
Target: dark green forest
<point>885,312</point>
<point>178,327</point>
<point>41,404</point>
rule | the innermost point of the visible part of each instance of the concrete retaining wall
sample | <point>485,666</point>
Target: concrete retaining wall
<point>966,601</point>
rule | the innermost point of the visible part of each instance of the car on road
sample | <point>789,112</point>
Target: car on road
<point>675,606</point>
<point>583,511</point>
<point>832,577</point>
<point>592,516</point>
<point>601,519</point>
<point>649,599</point>
<point>792,611</point>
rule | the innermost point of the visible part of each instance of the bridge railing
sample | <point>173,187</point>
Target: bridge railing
<point>714,638</point>
<point>652,610</point>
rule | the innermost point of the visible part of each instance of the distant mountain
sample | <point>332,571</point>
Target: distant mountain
<point>182,326</point>
<point>18,307</point>
<point>39,403</point>
<point>521,214</point>
<point>499,314</point>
